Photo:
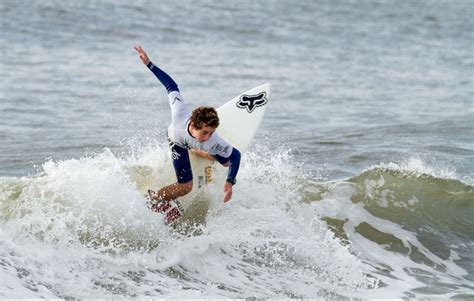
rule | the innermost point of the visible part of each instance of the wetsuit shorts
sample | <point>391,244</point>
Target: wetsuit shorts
<point>181,163</point>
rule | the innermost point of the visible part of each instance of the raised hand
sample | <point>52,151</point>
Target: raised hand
<point>142,54</point>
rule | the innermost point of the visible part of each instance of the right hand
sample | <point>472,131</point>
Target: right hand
<point>227,191</point>
<point>142,54</point>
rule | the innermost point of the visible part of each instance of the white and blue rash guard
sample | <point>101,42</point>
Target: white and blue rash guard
<point>181,139</point>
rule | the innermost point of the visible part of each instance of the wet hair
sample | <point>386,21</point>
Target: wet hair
<point>205,116</point>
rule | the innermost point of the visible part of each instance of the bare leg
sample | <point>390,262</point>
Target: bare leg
<point>172,191</point>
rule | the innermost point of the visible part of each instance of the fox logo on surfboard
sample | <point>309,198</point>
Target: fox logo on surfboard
<point>250,102</point>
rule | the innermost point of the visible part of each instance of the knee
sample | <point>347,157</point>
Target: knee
<point>186,187</point>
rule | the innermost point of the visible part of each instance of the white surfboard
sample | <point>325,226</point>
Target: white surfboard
<point>239,119</point>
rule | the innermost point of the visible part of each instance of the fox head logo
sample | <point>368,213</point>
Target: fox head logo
<point>250,102</point>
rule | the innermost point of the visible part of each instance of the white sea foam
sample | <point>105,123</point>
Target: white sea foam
<point>420,165</point>
<point>81,229</point>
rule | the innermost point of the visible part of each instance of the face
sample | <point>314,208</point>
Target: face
<point>203,134</point>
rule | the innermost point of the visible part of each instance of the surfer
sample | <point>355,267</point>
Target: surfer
<point>194,131</point>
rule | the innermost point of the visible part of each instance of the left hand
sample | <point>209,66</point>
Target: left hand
<point>203,154</point>
<point>142,54</point>
<point>227,191</point>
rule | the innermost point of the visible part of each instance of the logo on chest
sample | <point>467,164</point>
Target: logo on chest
<point>220,148</point>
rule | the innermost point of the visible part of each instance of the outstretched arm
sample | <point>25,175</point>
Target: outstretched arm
<point>162,76</point>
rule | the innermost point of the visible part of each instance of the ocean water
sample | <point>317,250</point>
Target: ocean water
<point>359,183</point>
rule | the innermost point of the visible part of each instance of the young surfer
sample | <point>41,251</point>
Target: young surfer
<point>194,131</point>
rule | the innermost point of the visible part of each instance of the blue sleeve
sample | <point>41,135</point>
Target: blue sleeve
<point>234,159</point>
<point>163,77</point>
